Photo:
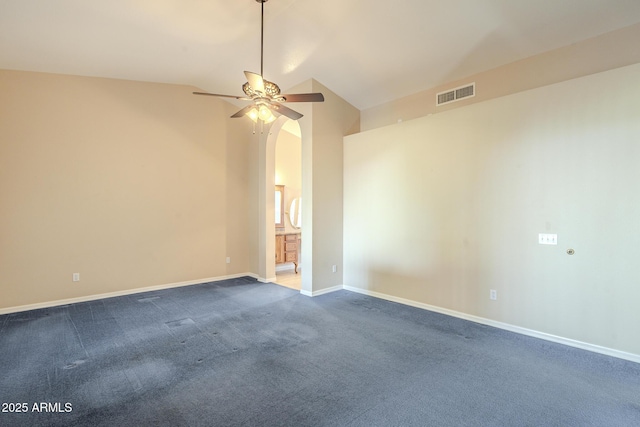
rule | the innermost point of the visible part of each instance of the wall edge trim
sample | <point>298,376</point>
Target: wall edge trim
<point>55,303</point>
<point>321,291</point>
<point>500,325</point>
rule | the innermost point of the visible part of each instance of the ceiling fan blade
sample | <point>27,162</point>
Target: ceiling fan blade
<point>242,112</point>
<point>303,97</point>
<point>255,81</point>
<point>285,111</point>
<point>222,96</point>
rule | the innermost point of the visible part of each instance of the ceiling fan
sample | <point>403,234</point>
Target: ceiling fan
<point>266,96</point>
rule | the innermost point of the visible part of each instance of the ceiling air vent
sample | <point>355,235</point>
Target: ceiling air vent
<point>456,94</point>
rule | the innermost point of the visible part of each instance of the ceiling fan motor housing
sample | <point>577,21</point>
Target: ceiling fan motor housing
<point>270,89</point>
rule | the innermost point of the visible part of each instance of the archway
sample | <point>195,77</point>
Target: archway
<point>266,178</point>
<point>288,177</point>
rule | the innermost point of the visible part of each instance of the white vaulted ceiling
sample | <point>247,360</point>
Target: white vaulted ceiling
<point>367,51</point>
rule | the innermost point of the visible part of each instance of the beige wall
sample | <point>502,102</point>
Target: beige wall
<point>129,184</point>
<point>241,179</point>
<point>331,121</point>
<point>611,50</point>
<point>441,209</point>
<point>322,129</point>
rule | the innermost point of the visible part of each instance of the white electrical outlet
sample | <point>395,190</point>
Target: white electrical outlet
<point>76,277</point>
<point>335,268</point>
<point>493,294</point>
<point>547,239</point>
<point>228,260</point>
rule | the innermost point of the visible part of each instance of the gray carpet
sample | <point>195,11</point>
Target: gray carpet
<point>242,353</point>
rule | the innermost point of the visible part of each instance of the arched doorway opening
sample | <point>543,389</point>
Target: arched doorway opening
<point>287,205</point>
<point>266,201</point>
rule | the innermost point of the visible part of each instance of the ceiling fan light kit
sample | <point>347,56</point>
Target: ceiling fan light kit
<point>266,96</point>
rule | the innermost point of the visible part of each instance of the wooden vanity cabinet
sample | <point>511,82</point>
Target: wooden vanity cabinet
<point>287,248</point>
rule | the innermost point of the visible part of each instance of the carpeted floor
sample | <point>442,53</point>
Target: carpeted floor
<point>242,353</point>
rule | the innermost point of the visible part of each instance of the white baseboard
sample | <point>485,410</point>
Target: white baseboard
<point>94,297</point>
<point>512,328</point>
<point>286,267</point>
<point>263,280</point>
<point>321,291</point>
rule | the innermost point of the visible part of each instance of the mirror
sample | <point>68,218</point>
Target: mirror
<point>295,213</point>
<point>279,206</point>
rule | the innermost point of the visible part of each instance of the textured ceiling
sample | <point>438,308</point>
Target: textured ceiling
<point>367,51</point>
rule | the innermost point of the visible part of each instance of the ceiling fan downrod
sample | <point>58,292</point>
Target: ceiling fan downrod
<point>262,34</point>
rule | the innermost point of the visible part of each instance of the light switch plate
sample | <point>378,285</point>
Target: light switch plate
<point>548,239</point>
